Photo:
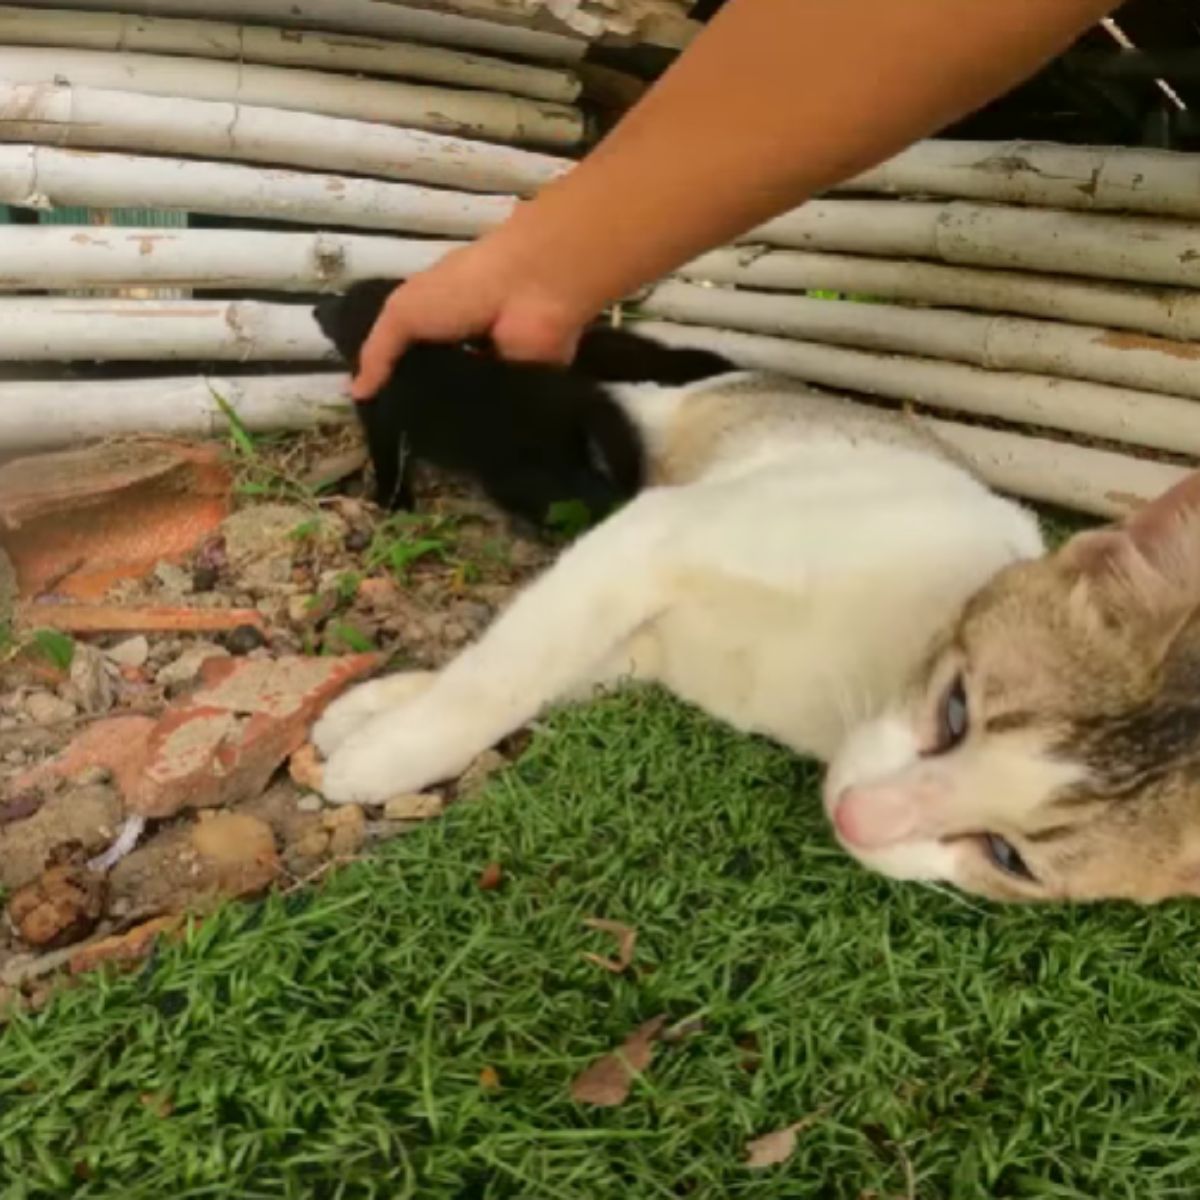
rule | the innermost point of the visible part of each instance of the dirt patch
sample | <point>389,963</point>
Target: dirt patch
<point>231,648</point>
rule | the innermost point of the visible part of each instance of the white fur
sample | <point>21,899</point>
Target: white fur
<point>789,588</point>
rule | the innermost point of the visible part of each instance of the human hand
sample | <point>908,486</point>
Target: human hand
<point>480,290</point>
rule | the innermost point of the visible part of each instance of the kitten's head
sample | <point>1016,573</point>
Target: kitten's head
<point>347,320</point>
<point>1050,746</point>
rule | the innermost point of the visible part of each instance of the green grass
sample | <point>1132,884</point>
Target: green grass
<point>330,1043</point>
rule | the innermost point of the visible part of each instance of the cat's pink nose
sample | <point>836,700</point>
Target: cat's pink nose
<point>871,818</point>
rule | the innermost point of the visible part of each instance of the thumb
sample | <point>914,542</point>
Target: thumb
<point>385,344</point>
<point>526,337</point>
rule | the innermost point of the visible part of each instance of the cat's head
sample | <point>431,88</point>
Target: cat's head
<point>1050,746</point>
<point>347,320</point>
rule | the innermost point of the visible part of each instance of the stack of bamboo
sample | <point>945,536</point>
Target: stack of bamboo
<point>1012,285</point>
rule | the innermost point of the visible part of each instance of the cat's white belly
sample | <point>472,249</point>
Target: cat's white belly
<point>803,615</point>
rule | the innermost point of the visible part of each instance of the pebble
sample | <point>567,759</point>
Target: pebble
<point>89,680</point>
<point>46,709</point>
<point>244,638</point>
<point>186,667</point>
<point>415,806</point>
<point>133,652</point>
<point>175,581</point>
<point>347,829</point>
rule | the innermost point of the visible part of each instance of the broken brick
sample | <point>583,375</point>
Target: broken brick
<point>223,742</point>
<point>118,744</point>
<point>60,906</point>
<point>78,521</point>
<point>118,618</point>
<point>126,947</point>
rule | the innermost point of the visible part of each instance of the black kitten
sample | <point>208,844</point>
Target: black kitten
<point>531,434</point>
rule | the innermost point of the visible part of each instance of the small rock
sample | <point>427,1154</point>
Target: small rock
<point>58,908</point>
<point>173,580</point>
<point>89,682</point>
<point>186,668</point>
<point>305,767</point>
<point>347,828</point>
<point>238,852</point>
<point>244,639</point>
<point>309,803</point>
<point>8,588</point>
<point>46,709</point>
<point>479,772</point>
<point>306,849</point>
<point>205,577</point>
<point>298,608</point>
<point>132,652</point>
<point>85,816</point>
<point>377,591</point>
<point>415,806</point>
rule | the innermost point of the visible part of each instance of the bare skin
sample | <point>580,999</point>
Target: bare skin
<point>703,158</point>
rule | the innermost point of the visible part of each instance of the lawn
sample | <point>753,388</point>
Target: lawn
<point>331,1043</point>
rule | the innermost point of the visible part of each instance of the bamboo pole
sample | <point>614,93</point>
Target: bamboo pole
<point>45,177</point>
<point>46,414</point>
<point>112,31</point>
<point>1101,482</point>
<point>1168,312</point>
<point>359,17</point>
<point>1107,178</point>
<point>998,343</point>
<point>53,257</point>
<point>1088,409</point>
<point>1138,249</point>
<point>488,115</point>
<point>659,22</point>
<point>90,118</point>
<point>57,329</point>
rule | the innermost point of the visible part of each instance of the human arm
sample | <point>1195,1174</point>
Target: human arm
<point>774,101</point>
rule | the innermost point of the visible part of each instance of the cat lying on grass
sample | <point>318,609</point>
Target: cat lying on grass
<point>1021,725</point>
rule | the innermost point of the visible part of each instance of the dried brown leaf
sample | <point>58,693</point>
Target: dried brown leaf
<point>626,939</point>
<point>489,1079</point>
<point>491,877</point>
<point>774,1148</point>
<point>607,1081</point>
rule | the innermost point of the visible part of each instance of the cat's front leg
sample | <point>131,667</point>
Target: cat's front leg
<point>561,633</point>
<point>360,705</point>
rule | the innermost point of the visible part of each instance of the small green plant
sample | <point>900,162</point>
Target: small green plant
<point>341,636</point>
<point>56,648</point>
<point>257,476</point>
<point>569,518</point>
<point>406,538</point>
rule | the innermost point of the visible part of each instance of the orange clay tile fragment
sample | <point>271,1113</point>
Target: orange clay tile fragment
<point>116,618</point>
<point>75,522</point>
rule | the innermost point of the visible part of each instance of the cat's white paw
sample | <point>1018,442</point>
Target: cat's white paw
<point>352,711</point>
<point>393,754</point>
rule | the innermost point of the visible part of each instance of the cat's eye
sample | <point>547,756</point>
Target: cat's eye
<point>1005,857</point>
<point>953,716</point>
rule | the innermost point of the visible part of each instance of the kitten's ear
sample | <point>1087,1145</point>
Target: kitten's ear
<point>1158,545</point>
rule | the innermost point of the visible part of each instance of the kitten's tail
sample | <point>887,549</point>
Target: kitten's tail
<point>615,443</point>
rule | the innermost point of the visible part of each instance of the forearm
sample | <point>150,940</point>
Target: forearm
<point>776,100</point>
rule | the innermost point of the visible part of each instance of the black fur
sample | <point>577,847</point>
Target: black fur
<point>531,434</point>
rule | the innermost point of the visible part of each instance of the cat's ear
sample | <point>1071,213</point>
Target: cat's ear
<point>1155,549</point>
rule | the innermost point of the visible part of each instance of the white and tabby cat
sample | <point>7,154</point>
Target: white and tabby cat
<point>1022,726</point>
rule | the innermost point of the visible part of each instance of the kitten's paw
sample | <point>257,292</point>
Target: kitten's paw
<point>352,711</point>
<point>393,754</point>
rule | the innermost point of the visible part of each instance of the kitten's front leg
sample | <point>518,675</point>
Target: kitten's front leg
<point>558,635</point>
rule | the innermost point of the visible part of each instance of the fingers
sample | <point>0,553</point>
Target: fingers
<point>385,344</point>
